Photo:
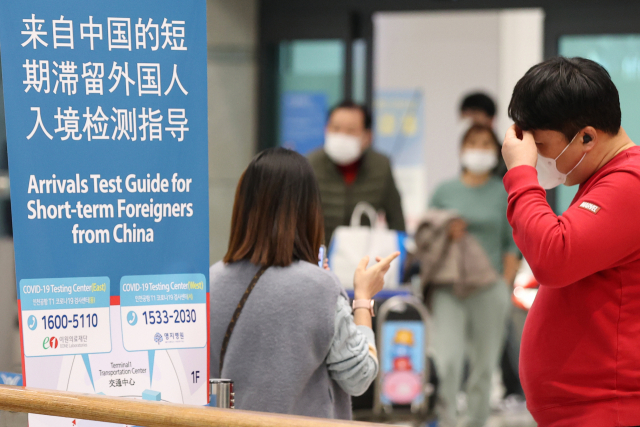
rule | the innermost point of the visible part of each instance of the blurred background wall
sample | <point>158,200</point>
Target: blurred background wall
<point>232,71</point>
<point>445,55</point>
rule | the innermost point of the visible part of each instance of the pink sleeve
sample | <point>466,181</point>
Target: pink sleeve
<point>564,249</point>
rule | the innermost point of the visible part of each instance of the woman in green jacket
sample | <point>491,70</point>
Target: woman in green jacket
<point>475,324</point>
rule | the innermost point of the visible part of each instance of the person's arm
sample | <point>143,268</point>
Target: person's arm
<point>353,358</point>
<point>367,282</point>
<point>564,249</point>
<point>393,206</point>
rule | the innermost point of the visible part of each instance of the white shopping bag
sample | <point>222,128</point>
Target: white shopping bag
<point>350,243</point>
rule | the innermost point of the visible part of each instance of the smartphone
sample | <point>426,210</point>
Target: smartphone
<point>322,256</point>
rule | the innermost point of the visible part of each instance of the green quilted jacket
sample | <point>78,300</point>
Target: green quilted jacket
<point>374,184</point>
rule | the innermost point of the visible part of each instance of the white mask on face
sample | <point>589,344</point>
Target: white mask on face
<point>548,174</point>
<point>343,149</point>
<point>478,160</point>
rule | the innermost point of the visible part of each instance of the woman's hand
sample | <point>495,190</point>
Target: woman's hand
<point>369,281</point>
<point>457,229</point>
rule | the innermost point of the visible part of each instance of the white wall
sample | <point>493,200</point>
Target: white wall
<point>521,46</point>
<point>448,54</point>
<point>232,71</point>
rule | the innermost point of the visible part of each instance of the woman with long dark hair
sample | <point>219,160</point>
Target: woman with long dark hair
<point>281,326</point>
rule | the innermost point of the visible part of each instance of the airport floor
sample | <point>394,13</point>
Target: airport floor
<point>511,420</point>
<point>496,420</point>
<point>13,419</point>
<point>510,412</point>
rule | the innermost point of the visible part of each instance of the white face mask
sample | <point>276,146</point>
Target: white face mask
<point>343,149</point>
<point>478,160</point>
<point>548,174</point>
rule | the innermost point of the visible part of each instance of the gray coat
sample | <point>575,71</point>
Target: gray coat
<point>277,352</point>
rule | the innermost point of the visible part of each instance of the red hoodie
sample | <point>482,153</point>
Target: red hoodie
<point>580,353</point>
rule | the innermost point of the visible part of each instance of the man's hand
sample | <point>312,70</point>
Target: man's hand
<point>519,151</point>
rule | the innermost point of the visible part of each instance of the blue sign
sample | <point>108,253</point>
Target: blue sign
<point>399,126</point>
<point>303,117</point>
<point>106,116</point>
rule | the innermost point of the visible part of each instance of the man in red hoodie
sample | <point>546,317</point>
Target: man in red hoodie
<point>580,354</point>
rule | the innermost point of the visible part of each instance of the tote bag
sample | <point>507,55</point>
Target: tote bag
<point>350,243</point>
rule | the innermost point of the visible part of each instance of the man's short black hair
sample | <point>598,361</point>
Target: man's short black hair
<point>566,95</point>
<point>354,106</point>
<point>478,102</point>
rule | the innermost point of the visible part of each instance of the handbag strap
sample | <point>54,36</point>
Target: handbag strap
<point>236,314</point>
<point>363,208</point>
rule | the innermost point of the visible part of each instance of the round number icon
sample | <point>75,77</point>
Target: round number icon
<point>32,323</point>
<point>132,318</point>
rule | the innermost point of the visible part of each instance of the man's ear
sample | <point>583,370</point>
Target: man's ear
<point>589,138</point>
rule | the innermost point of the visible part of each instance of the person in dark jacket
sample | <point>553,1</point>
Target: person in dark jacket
<point>350,171</point>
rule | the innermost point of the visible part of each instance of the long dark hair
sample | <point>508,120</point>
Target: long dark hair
<point>277,215</point>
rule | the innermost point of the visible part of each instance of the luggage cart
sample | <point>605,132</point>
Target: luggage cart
<point>402,388</point>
